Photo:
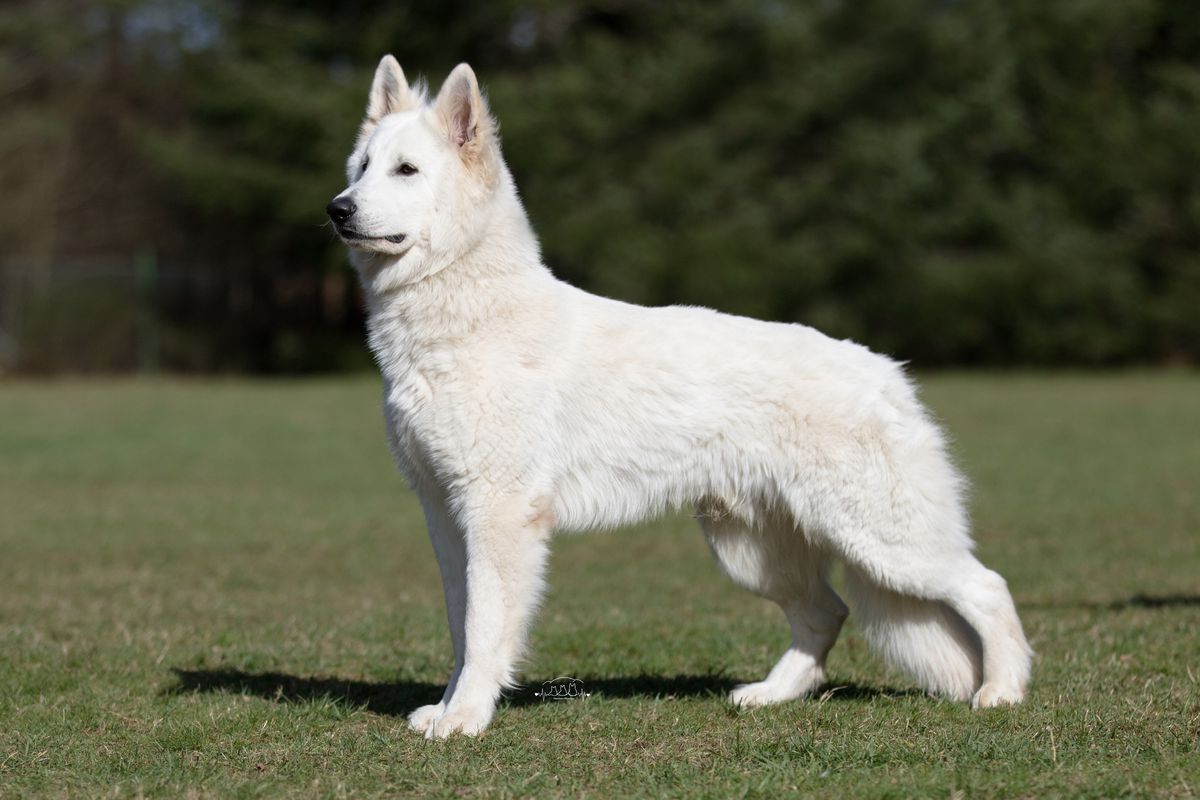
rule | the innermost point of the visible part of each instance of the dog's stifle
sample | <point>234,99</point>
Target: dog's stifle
<point>518,406</point>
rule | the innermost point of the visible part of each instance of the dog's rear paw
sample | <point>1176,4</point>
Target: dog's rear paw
<point>423,717</point>
<point>791,678</point>
<point>994,694</point>
<point>464,719</point>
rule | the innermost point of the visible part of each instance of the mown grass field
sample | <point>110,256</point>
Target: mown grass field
<point>222,589</point>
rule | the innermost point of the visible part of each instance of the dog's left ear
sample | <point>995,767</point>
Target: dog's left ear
<point>463,114</point>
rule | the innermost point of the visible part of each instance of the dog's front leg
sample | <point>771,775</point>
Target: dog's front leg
<point>505,562</point>
<point>450,549</point>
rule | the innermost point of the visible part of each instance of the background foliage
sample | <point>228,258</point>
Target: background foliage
<point>949,181</point>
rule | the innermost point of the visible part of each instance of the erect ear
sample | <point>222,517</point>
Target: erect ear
<point>389,91</point>
<point>389,94</point>
<point>463,112</point>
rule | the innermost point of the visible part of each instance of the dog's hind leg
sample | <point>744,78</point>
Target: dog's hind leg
<point>777,563</point>
<point>904,595</point>
<point>815,618</point>
<point>982,598</point>
<point>892,510</point>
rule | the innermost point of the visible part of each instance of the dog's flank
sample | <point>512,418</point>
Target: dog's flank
<point>517,406</point>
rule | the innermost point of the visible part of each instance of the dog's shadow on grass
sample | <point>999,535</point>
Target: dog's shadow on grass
<point>391,698</point>
<point>1153,601</point>
<point>1143,602</point>
<point>398,698</point>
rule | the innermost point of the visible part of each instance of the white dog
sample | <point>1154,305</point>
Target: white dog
<point>518,406</point>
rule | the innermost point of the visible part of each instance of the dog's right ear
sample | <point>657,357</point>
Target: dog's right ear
<point>389,95</point>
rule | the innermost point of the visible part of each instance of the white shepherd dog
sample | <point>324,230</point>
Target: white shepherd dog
<point>518,406</point>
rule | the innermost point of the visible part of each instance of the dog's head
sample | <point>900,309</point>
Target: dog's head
<point>418,172</point>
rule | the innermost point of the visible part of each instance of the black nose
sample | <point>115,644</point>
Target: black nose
<point>341,209</point>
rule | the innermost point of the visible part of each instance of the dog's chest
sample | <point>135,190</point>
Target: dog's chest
<point>411,415</point>
<point>427,390</point>
<point>460,408</point>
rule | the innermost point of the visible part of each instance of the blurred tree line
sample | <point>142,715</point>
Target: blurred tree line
<point>949,181</point>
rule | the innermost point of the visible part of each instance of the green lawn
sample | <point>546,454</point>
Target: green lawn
<point>223,589</point>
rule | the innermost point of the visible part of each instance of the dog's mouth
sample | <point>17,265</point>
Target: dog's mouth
<point>351,235</point>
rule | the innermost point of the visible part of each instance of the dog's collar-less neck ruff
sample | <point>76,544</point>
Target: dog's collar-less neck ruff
<point>472,261</point>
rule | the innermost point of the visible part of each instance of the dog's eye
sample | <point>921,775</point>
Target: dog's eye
<point>406,169</point>
<point>366,162</point>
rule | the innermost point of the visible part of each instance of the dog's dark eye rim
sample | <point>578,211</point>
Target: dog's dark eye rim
<point>366,161</point>
<point>406,168</point>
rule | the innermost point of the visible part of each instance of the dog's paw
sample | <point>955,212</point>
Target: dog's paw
<point>763,693</point>
<point>423,717</point>
<point>778,688</point>
<point>464,719</point>
<point>991,695</point>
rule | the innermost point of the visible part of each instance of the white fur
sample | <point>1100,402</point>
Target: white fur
<point>518,406</point>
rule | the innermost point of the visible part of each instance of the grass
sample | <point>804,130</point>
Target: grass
<point>222,589</point>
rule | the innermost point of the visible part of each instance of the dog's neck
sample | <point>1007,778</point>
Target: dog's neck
<point>453,293</point>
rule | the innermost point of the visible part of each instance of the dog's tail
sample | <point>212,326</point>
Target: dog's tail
<point>924,638</point>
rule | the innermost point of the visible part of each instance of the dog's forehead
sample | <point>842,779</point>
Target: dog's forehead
<point>407,131</point>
